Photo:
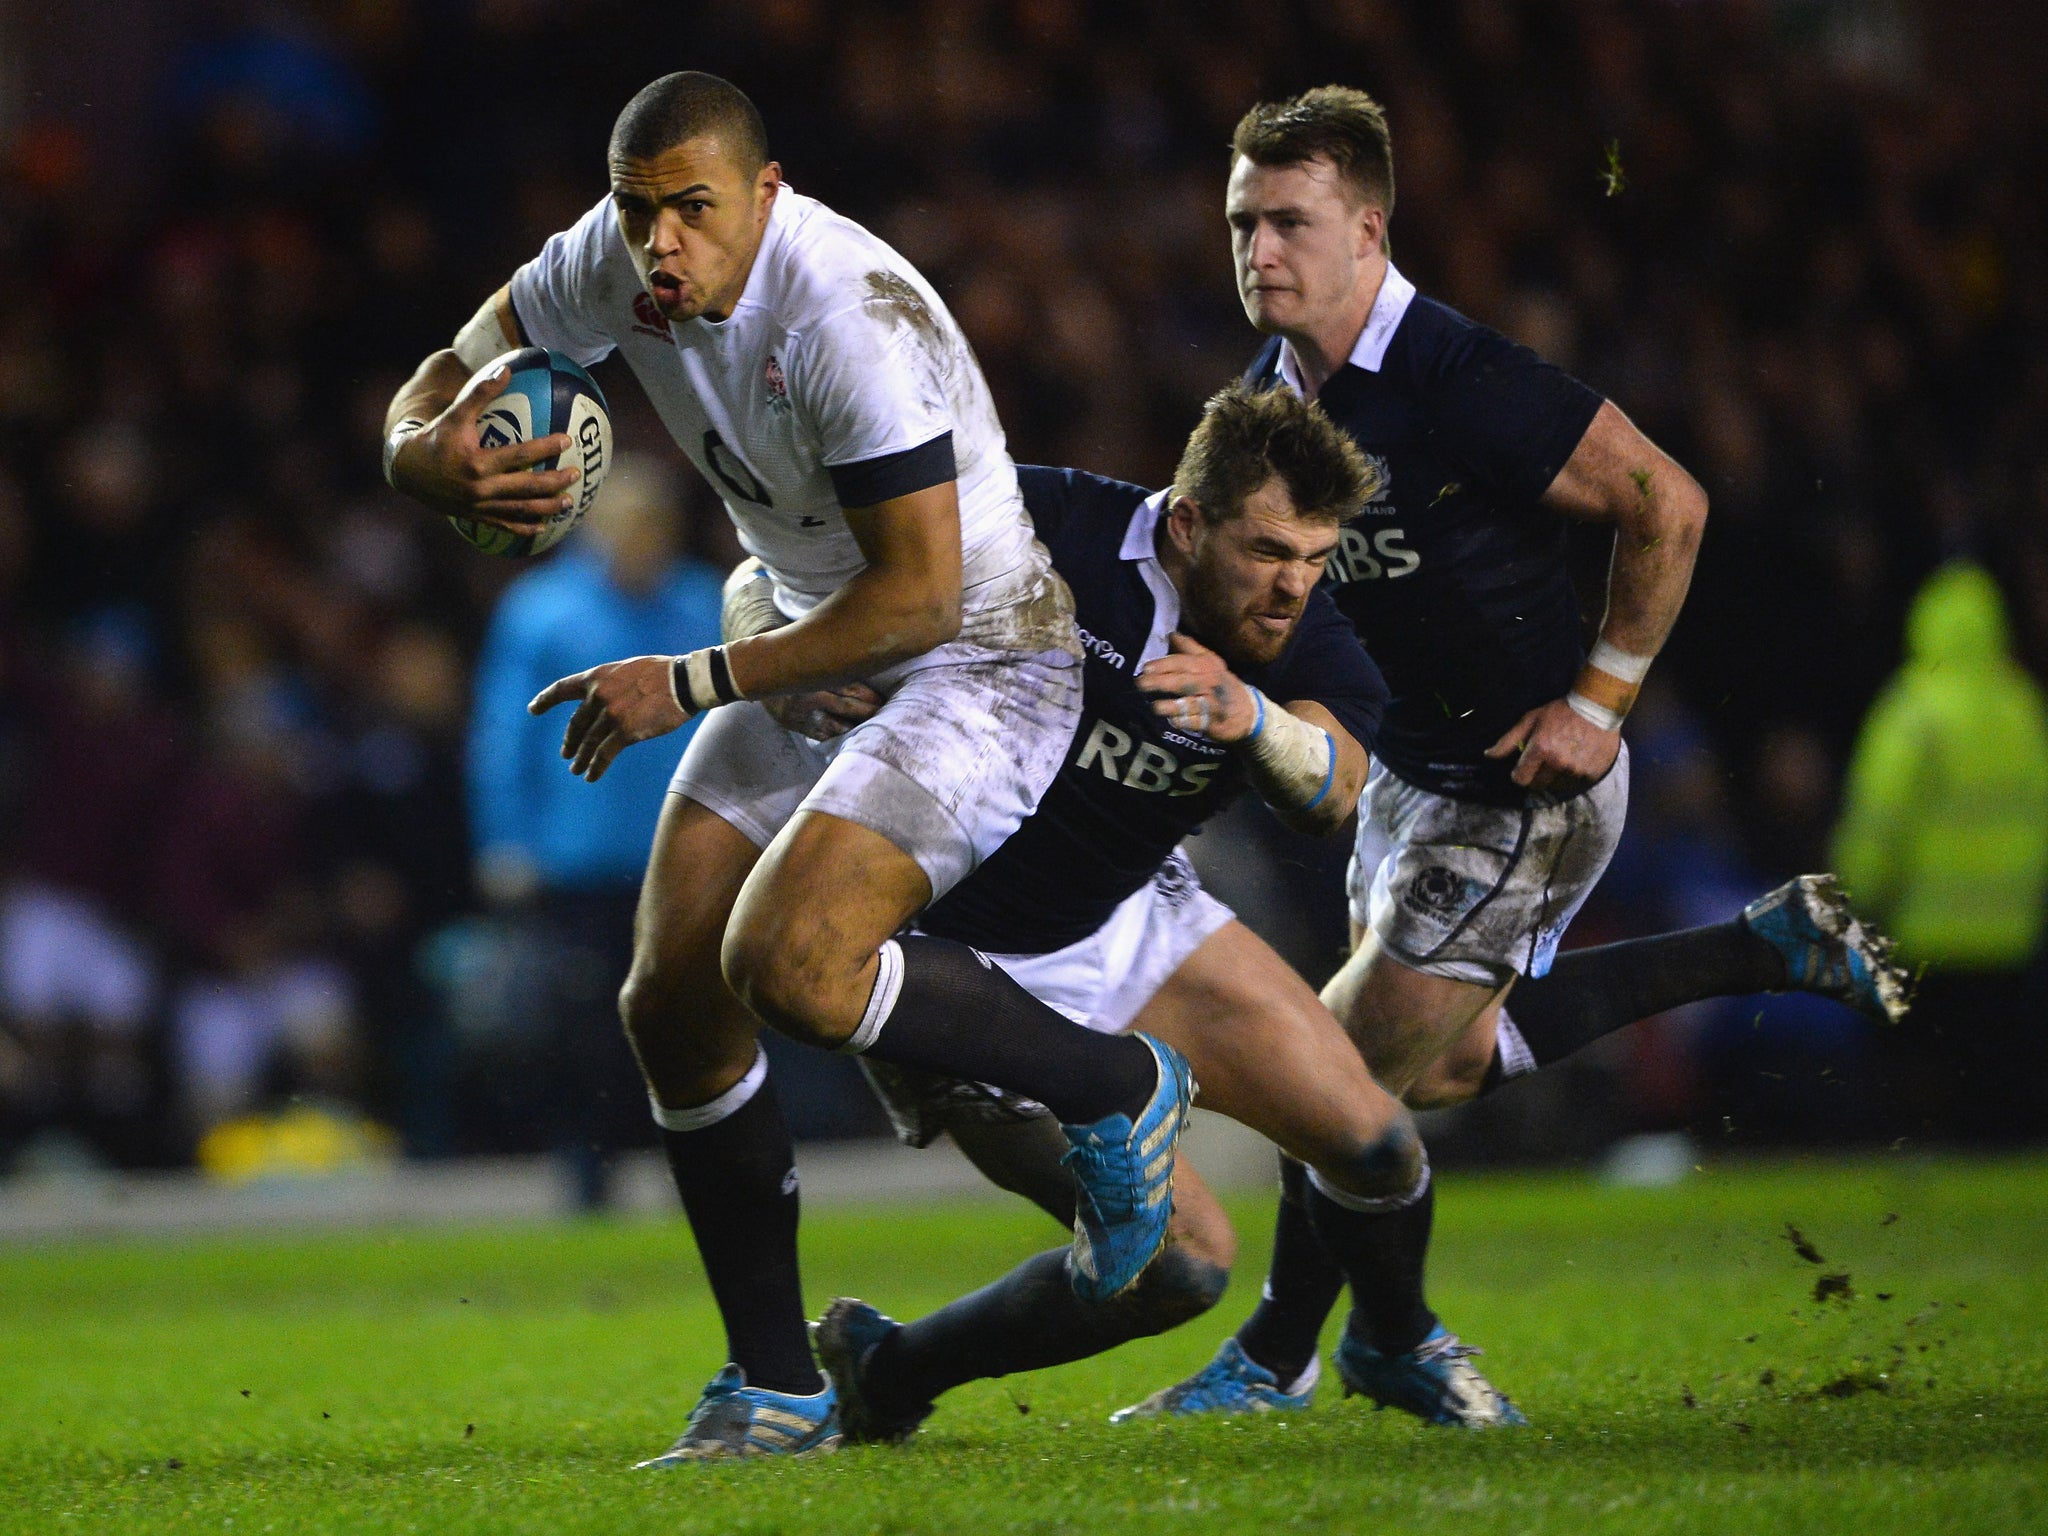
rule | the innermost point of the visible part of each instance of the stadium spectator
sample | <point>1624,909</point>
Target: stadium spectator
<point>260,1008</point>
<point>562,857</point>
<point>78,973</point>
<point>1944,837</point>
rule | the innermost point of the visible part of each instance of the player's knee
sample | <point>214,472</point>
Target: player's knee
<point>1453,1078</point>
<point>777,976</point>
<point>1382,1166</point>
<point>641,998</point>
<point>1182,1283</point>
<point>1441,1087</point>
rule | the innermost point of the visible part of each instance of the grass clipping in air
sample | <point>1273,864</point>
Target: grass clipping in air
<point>1847,1346</point>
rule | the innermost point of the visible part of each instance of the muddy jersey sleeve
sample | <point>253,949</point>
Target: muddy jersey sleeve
<point>870,382</point>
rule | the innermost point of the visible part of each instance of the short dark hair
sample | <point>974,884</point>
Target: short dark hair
<point>1344,125</point>
<point>1248,436</point>
<point>689,105</point>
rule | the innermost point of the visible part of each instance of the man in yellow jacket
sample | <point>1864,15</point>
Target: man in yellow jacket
<point>1944,839</point>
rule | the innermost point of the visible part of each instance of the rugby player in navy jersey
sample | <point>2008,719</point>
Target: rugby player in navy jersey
<point>1213,665</point>
<point>1500,779</point>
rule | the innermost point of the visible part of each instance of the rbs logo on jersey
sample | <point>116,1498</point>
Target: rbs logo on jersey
<point>1367,555</point>
<point>1152,769</point>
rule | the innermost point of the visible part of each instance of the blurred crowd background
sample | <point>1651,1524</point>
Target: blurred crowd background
<point>249,859</point>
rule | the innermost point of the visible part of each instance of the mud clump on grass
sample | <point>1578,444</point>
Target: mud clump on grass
<point>1801,1246</point>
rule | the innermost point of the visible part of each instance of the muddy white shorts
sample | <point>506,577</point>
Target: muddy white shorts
<point>1103,981</point>
<point>1475,892</point>
<point>958,755</point>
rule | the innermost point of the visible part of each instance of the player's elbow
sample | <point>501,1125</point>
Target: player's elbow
<point>1324,820</point>
<point>1331,813</point>
<point>943,618</point>
<point>1674,517</point>
<point>924,620</point>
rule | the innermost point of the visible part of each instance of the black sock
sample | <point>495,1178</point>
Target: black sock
<point>1029,1320</point>
<point>958,1014</point>
<point>1593,992</point>
<point>737,1177</point>
<point>1382,1254</point>
<point>1301,1287</point>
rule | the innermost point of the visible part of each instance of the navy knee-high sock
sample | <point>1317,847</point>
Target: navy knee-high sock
<point>1302,1285</point>
<point>1028,1320</point>
<point>1589,993</point>
<point>1383,1253</point>
<point>736,1174</point>
<point>946,1008</point>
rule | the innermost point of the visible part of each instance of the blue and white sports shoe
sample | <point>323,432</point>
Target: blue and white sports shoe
<point>1828,949</point>
<point>846,1336</point>
<point>733,1420</point>
<point>1125,1174</point>
<point>1231,1383</point>
<point>1436,1381</point>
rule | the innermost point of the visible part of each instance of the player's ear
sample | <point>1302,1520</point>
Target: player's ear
<point>768,182</point>
<point>1184,523</point>
<point>1372,227</point>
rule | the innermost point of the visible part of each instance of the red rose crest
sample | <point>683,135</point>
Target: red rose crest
<point>648,320</point>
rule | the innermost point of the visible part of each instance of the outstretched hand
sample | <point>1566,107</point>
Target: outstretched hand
<point>619,703</point>
<point>1561,753</point>
<point>1196,691</point>
<point>447,467</point>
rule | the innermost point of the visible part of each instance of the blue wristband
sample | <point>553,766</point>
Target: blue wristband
<point>1258,725</point>
<point>1329,774</point>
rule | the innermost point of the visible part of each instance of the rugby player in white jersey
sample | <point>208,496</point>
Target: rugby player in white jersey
<point>816,379</point>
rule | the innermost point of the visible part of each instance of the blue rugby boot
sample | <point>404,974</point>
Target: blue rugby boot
<point>733,1420</point>
<point>1125,1174</point>
<point>1828,949</point>
<point>1231,1383</point>
<point>846,1337</point>
<point>1436,1381</point>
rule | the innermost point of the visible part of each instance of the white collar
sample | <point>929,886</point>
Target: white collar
<point>1140,544</point>
<point>1141,536</point>
<point>1395,295</point>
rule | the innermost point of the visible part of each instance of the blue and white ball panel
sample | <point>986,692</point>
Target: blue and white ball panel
<point>548,393</point>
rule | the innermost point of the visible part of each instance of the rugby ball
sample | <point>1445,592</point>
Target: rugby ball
<point>547,393</point>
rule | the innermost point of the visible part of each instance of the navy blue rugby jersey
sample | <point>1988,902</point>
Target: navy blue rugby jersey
<point>1455,574</point>
<point>1132,786</point>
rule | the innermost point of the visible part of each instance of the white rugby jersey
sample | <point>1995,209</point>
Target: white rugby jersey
<point>833,383</point>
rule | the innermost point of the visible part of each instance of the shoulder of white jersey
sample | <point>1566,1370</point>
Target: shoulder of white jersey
<point>589,259</point>
<point>826,264</point>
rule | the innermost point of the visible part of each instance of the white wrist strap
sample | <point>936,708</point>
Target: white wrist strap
<point>701,681</point>
<point>1617,663</point>
<point>397,439</point>
<point>1593,714</point>
<point>1293,763</point>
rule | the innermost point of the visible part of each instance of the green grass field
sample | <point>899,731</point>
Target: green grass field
<point>1667,1344</point>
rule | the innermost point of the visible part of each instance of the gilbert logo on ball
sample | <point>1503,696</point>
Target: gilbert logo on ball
<point>548,393</point>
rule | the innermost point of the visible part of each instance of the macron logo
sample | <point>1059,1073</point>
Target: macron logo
<point>1102,649</point>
